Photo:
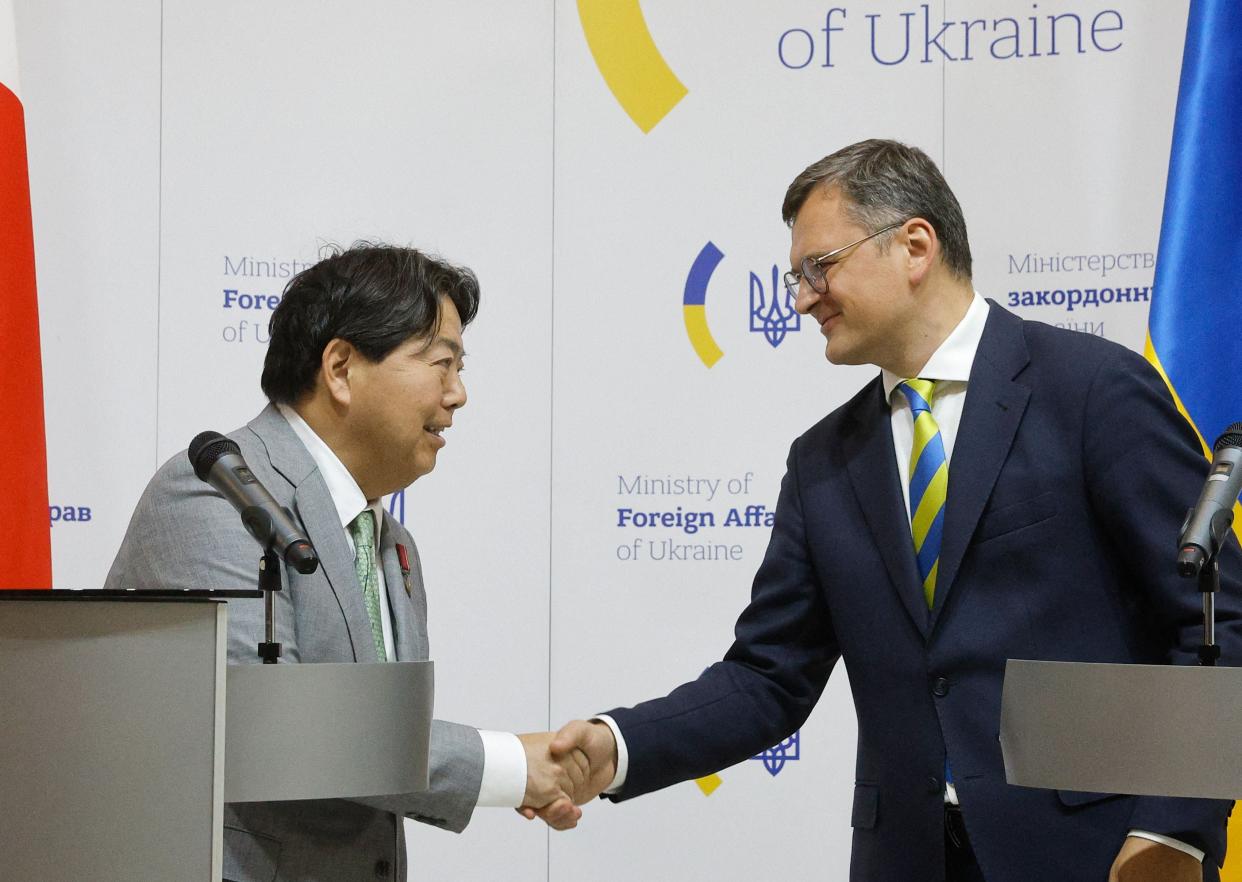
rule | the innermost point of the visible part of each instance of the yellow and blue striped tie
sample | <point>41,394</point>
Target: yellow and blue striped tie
<point>929,479</point>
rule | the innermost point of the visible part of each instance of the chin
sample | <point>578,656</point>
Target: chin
<point>420,473</point>
<point>844,355</point>
<point>836,356</point>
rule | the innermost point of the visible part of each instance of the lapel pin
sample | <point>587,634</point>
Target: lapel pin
<point>403,558</point>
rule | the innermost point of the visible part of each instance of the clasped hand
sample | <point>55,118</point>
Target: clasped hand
<point>566,769</point>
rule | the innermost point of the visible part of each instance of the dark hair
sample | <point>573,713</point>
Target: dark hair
<point>374,296</point>
<point>884,183</point>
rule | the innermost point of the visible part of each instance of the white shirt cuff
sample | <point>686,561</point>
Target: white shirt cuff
<point>504,770</point>
<point>623,754</point>
<point>1171,843</point>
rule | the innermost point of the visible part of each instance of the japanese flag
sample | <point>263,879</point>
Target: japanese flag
<point>25,533</point>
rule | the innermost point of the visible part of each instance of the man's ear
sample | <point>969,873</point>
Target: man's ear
<point>922,249</point>
<point>338,358</point>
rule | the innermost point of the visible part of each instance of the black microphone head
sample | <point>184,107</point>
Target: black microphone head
<point>206,448</point>
<point>1232,437</point>
<point>302,557</point>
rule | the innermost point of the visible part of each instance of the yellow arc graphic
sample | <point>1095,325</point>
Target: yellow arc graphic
<point>632,66</point>
<point>700,335</point>
<point>709,783</point>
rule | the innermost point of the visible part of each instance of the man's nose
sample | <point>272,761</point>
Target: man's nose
<point>807,298</point>
<point>455,393</point>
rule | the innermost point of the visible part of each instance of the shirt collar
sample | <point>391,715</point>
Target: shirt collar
<point>955,356</point>
<point>346,494</point>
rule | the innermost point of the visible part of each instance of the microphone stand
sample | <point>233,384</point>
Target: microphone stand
<point>1209,584</point>
<point>1207,571</point>
<point>269,582</point>
<point>260,524</point>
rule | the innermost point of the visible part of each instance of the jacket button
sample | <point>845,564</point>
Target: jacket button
<point>934,785</point>
<point>382,869</point>
<point>940,687</point>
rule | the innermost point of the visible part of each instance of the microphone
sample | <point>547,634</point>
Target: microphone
<point>1210,519</point>
<point>218,461</point>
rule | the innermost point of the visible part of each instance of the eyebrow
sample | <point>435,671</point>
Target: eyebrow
<point>452,345</point>
<point>797,267</point>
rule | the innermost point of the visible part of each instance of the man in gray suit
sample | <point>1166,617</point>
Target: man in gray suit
<point>363,377</point>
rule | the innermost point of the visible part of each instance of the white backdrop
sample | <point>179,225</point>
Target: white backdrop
<point>172,142</point>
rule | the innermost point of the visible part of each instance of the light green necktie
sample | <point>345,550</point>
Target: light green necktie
<point>362,528</point>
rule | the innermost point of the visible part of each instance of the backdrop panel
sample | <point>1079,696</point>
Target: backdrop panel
<point>91,78</point>
<point>614,174</point>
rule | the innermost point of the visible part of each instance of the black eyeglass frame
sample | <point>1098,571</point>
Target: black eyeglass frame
<point>815,269</point>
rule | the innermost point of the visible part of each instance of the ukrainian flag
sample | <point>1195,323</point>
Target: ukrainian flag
<point>1195,326</point>
<point>26,560</point>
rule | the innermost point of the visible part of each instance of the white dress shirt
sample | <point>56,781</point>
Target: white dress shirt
<point>504,759</point>
<point>950,367</point>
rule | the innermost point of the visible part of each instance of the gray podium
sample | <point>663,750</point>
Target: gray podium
<point>125,732</point>
<point>1157,730</point>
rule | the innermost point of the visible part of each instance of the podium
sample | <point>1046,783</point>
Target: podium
<point>1155,730</point>
<point>125,732</point>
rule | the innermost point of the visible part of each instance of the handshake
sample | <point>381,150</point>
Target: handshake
<point>566,769</point>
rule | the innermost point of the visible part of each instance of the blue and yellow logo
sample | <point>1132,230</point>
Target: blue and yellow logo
<point>772,311</point>
<point>694,304</point>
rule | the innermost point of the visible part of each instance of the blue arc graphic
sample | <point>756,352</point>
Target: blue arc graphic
<point>694,302</point>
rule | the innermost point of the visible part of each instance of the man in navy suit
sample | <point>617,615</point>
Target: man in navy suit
<point>1003,489</point>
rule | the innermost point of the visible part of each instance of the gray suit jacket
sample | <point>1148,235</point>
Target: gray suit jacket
<point>185,535</point>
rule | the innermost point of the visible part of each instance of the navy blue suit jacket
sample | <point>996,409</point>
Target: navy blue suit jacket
<point>1070,477</point>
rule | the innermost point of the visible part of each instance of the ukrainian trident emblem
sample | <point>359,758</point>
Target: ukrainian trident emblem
<point>773,316</point>
<point>775,757</point>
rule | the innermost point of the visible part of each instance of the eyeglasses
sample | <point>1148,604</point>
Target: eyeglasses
<point>815,269</point>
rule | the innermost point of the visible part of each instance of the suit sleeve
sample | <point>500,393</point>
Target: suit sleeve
<point>455,773</point>
<point>455,764</point>
<point>1144,469</point>
<point>765,687</point>
<point>185,535</point>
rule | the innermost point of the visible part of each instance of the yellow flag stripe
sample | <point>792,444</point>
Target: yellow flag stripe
<point>1149,351</point>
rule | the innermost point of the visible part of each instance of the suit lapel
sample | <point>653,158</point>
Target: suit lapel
<point>990,417</point>
<point>313,506</point>
<point>319,515</point>
<point>404,630</point>
<point>873,472</point>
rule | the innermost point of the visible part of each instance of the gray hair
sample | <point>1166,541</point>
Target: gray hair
<point>885,183</point>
